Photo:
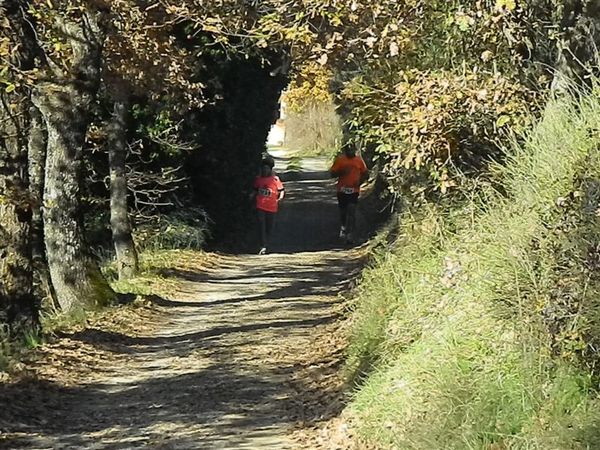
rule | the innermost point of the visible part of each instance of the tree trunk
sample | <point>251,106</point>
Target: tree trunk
<point>127,258</point>
<point>36,145</point>
<point>17,303</point>
<point>16,282</point>
<point>64,103</point>
<point>75,275</point>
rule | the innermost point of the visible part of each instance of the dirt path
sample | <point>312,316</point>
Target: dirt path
<point>244,353</point>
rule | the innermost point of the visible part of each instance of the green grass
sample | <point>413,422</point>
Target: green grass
<point>162,243</point>
<point>478,331</point>
<point>153,278</point>
<point>53,321</point>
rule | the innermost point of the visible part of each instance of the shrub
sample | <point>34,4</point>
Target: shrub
<point>182,229</point>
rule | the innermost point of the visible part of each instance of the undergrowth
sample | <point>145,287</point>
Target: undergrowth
<point>14,342</point>
<point>294,164</point>
<point>162,243</point>
<point>181,229</point>
<point>479,329</point>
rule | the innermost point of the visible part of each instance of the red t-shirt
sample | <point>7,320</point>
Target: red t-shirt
<point>352,170</point>
<point>267,192</point>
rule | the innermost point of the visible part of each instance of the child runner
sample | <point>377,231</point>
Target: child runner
<point>351,171</point>
<point>269,191</point>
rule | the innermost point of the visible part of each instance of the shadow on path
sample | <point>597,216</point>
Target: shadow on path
<point>230,368</point>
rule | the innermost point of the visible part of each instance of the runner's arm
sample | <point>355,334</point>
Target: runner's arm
<point>339,172</point>
<point>335,170</point>
<point>280,189</point>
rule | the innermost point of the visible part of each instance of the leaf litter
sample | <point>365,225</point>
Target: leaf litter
<point>229,360</point>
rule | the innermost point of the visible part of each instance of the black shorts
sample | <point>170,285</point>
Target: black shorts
<point>347,199</point>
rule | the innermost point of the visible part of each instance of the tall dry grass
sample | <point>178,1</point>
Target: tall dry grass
<point>316,130</point>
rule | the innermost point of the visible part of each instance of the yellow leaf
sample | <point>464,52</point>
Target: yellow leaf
<point>509,5</point>
<point>486,56</point>
<point>210,28</point>
<point>336,21</point>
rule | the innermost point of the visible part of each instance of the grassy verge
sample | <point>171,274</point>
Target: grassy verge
<point>479,330</point>
<point>153,278</point>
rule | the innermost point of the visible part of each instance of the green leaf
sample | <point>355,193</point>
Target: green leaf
<point>502,120</point>
<point>10,88</point>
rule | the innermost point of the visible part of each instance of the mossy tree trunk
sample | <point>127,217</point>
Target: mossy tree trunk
<point>65,100</point>
<point>126,254</point>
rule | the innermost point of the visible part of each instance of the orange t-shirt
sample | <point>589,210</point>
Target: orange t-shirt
<point>267,192</point>
<point>352,170</point>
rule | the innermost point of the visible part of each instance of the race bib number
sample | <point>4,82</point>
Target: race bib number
<point>264,192</point>
<point>347,190</point>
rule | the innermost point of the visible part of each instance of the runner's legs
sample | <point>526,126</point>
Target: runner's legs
<point>351,218</point>
<point>270,223</point>
<point>262,227</point>
<point>343,207</point>
<point>347,204</point>
<point>266,221</point>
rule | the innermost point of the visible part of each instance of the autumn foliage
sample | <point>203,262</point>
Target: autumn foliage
<point>425,87</point>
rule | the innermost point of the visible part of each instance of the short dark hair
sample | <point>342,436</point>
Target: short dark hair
<point>268,161</point>
<point>349,146</point>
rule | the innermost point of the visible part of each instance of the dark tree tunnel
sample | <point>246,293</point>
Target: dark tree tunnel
<point>231,134</point>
